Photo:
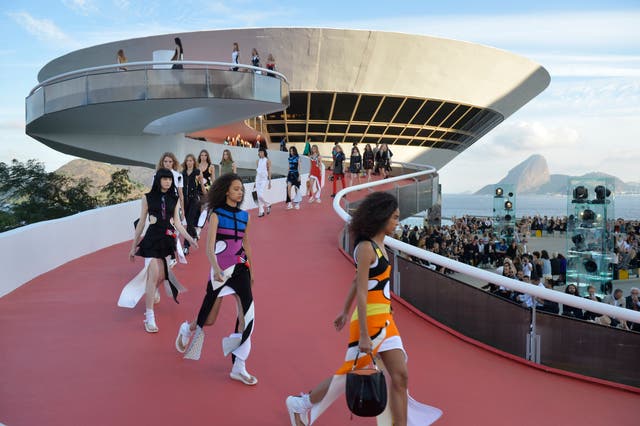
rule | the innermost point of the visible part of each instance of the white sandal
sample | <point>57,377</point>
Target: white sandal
<point>184,335</point>
<point>150,322</point>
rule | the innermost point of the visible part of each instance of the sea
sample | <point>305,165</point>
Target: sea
<point>624,206</point>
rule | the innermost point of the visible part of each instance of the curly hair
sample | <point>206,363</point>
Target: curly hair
<point>171,155</point>
<point>217,195</point>
<point>372,215</point>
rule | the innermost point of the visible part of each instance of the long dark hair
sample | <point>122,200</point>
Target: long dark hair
<point>217,195</point>
<point>179,43</point>
<point>372,215</point>
<point>156,188</point>
<point>295,151</point>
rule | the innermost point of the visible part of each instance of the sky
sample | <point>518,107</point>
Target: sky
<point>588,119</point>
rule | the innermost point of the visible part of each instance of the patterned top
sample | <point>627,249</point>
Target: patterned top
<point>232,223</point>
<point>379,294</point>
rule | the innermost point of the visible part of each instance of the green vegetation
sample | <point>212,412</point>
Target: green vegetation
<point>29,194</point>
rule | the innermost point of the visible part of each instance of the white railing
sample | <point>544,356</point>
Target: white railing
<point>536,291</point>
<point>226,66</point>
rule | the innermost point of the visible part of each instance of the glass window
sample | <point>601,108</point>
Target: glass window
<point>317,128</point>
<point>320,106</point>
<point>275,128</point>
<point>357,128</point>
<point>388,109</point>
<point>376,130</point>
<point>298,105</point>
<point>296,128</point>
<point>402,141</point>
<point>342,110</point>
<point>337,128</point>
<point>393,130</point>
<point>408,110</point>
<point>410,131</point>
<point>455,116</point>
<point>442,113</point>
<point>425,112</point>
<point>367,107</point>
<point>437,134</point>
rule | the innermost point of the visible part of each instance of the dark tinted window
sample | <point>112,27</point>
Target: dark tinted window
<point>392,130</point>
<point>425,112</point>
<point>388,109</point>
<point>357,128</point>
<point>275,128</point>
<point>320,106</point>
<point>345,102</point>
<point>298,107</point>
<point>455,116</point>
<point>296,128</point>
<point>317,128</point>
<point>410,131</point>
<point>441,114</point>
<point>408,110</point>
<point>366,107</point>
<point>376,130</point>
<point>337,128</point>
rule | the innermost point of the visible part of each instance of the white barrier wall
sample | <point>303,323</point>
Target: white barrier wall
<point>34,249</point>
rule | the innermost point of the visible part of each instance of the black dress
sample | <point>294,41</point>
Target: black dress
<point>160,239</point>
<point>191,192</point>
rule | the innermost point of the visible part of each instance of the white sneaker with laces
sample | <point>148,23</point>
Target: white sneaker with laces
<point>299,405</point>
<point>289,206</point>
<point>296,206</point>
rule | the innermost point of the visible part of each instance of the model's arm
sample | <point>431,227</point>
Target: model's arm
<point>211,247</point>
<point>180,228</point>
<point>144,209</point>
<point>247,249</point>
<point>269,172</point>
<point>235,168</point>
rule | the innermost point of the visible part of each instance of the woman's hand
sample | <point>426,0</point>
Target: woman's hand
<point>132,254</point>
<point>193,242</point>
<point>340,321</point>
<point>365,345</point>
<point>217,275</point>
<point>269,186</point>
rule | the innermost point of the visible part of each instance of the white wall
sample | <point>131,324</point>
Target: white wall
<point>34,249</point>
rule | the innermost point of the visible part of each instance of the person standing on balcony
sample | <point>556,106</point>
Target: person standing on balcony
<point>263,181</point>
<point>372,329</point>
<point>271,65</point>
<point>160,204</point>
<point>235,56</point>
<point>178,54</point>
<point>230,257</point>
<point>121,59</point>
<point>255,59</point>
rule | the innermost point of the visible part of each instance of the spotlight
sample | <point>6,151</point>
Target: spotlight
<point>510,194</point>
<point>588,216</point>
<point>580,194</point>
<point>499,192</point>
<point>601,194</point>
<point>508,205</point>
<point>590,266</point>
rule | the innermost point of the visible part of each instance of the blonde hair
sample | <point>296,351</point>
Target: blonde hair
<point>230,160</point>
<point>171,155</point>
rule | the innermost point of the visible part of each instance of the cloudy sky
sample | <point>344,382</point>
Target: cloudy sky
<point>587,120</point>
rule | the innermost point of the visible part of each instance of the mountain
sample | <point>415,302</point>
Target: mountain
<point>526,176</point>
<point>100,173</point>
<point>532,177</point>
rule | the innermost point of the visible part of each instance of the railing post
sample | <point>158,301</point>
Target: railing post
<point>533,339</point>
<point>396,274</point>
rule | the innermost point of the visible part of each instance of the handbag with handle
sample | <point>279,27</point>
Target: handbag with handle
<point>366,390</point>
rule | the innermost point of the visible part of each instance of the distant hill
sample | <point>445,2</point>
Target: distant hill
<point>100,173</point>
<point>532,177</point>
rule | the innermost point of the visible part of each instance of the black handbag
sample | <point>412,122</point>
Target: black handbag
<point>366,390</point>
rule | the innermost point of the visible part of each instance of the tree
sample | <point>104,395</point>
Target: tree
<point>28,194</point>
<point>120,188</point>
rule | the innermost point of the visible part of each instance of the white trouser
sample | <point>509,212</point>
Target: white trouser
<point>315,187</point>
<point>261,188</point>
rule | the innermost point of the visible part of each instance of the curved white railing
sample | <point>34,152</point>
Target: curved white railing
<point>141,65</point>
<point>536,291</point>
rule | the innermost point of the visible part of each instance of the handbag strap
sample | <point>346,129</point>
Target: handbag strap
<point>372,359</point>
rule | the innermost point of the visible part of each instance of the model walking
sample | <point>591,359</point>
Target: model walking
<point>374,332</point>
<point>263,181</point>
<point>316,175</point>
<point>355,165</point>
<point>338,168</point>
<point>229,254</point>
<point>367,161</point>
<point>161,205</point>
<point>293,180</point>
<point>192,190</point>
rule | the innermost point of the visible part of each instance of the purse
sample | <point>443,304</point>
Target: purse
<point>254,194</point>
<point>366,390</point>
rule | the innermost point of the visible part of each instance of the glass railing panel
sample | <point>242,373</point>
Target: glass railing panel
<point>408,200</point>
<point>65,94</point>
<point>35,105</point>
<point>266,88</point>
<point>116,86</point>
<point>230,84</point>
<point>176,84</point>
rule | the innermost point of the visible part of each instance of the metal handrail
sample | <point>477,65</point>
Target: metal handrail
<point>145,65</point>
<point>463,268</point>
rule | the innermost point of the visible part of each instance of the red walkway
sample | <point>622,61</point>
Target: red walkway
<point>70,356</point>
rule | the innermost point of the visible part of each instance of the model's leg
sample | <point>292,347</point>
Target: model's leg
<point>395,361</point>
<point>155,275</point>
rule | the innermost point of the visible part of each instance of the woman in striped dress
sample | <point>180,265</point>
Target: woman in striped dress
<point>373,333</point>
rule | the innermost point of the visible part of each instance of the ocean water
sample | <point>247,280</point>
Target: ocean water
<point>625,206</point>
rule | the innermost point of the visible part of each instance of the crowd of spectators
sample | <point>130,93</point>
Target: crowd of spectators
<point>472,240</point>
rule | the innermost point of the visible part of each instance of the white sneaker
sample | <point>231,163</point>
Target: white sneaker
<point>299,405</point>
<point>184,335</point>
<point>311,200</point>
<point>289,206</point>
<point>318,200</point>
<point>296,206</point>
